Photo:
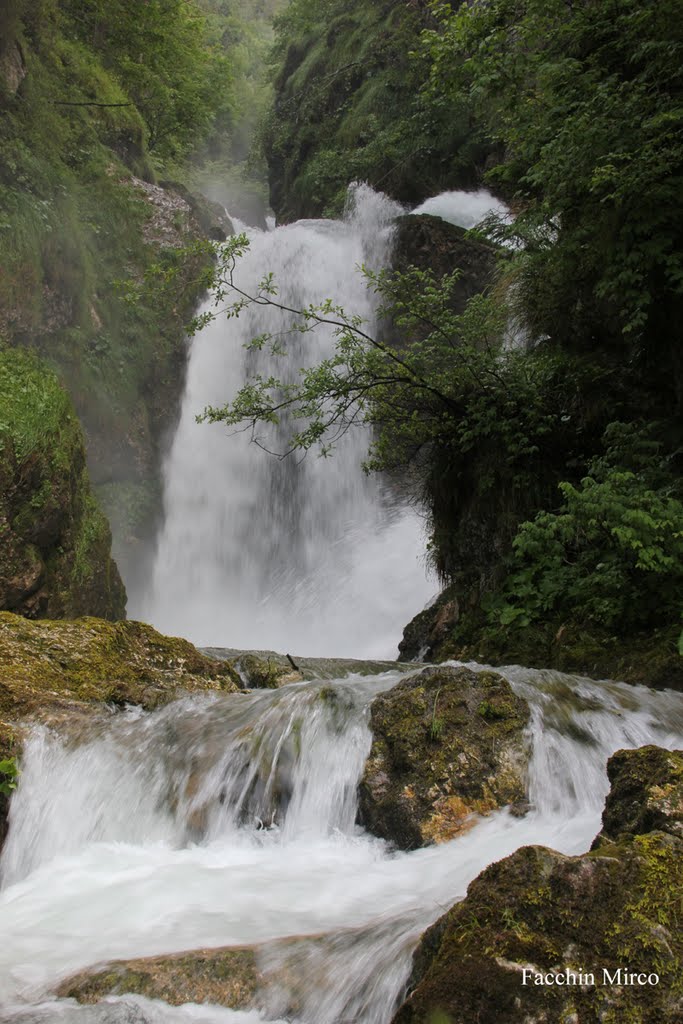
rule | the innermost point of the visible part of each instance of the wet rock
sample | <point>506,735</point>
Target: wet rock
<point>49,666</point>
<point>447,744</point>
<point>425,633</point>
<point>265,673</point>
<point>225,977</point>
<point>543,912</point>
<point>646,793</point>
<point>431,243</point>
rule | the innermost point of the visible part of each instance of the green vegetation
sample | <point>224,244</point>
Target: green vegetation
<point>55,551</point>
<point>9,772</point>
<point>97,103</point>
<point>348,106</point>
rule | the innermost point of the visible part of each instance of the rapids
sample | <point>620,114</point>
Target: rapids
<point>230,820</point>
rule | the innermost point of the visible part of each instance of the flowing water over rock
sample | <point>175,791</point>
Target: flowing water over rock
<point>230,820</point>
<point>308,555</point>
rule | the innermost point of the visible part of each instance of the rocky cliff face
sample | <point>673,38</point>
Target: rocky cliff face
<point>55,543</point>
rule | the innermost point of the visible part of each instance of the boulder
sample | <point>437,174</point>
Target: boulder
<point>48,666</point>
<point>606,924</point>
<point>224,977</point>
<point>448,744</point>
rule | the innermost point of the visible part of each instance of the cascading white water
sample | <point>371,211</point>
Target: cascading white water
<point>229,820</point>
<point>307,555</point>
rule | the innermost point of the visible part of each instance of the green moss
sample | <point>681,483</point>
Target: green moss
<point>48,664</point>
<point>347,108</point>
<point>78,239</point>
<point>612,908</point>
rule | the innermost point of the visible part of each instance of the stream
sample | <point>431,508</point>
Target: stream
<point>231,820</point>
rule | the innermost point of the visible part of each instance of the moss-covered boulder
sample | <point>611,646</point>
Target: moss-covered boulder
<point>592,921</point>
<point>447,744</point>
<point>55,543</point>
<point>646,793</point>
<point>225,977</point>
<point>52,664</point>
<point>539,912</point>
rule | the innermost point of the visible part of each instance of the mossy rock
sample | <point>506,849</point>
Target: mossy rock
<point>549,913</point>
<point>646,793</point>
<point>430,243</point>
<point>447,744</point>
<point>48,665</point>
<point>224,977</point>
<point>55,543</point>
<point>265,673</point>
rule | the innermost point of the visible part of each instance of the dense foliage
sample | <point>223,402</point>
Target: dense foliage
<point>348,106</point>
<point>587,99</point>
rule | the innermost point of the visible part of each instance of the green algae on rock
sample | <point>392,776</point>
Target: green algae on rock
<point>447,744</point>
<point>55,543</point>
<point>224,977</point>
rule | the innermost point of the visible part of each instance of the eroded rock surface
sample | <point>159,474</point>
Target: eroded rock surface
<point>447,744</point>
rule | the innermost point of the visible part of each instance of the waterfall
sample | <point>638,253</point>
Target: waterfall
<point>230,819</point>
<point>306,554</point>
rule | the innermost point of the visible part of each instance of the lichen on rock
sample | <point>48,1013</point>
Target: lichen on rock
<point>448,744</point>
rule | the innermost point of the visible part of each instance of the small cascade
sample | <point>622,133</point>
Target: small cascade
<point>231,820</point>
